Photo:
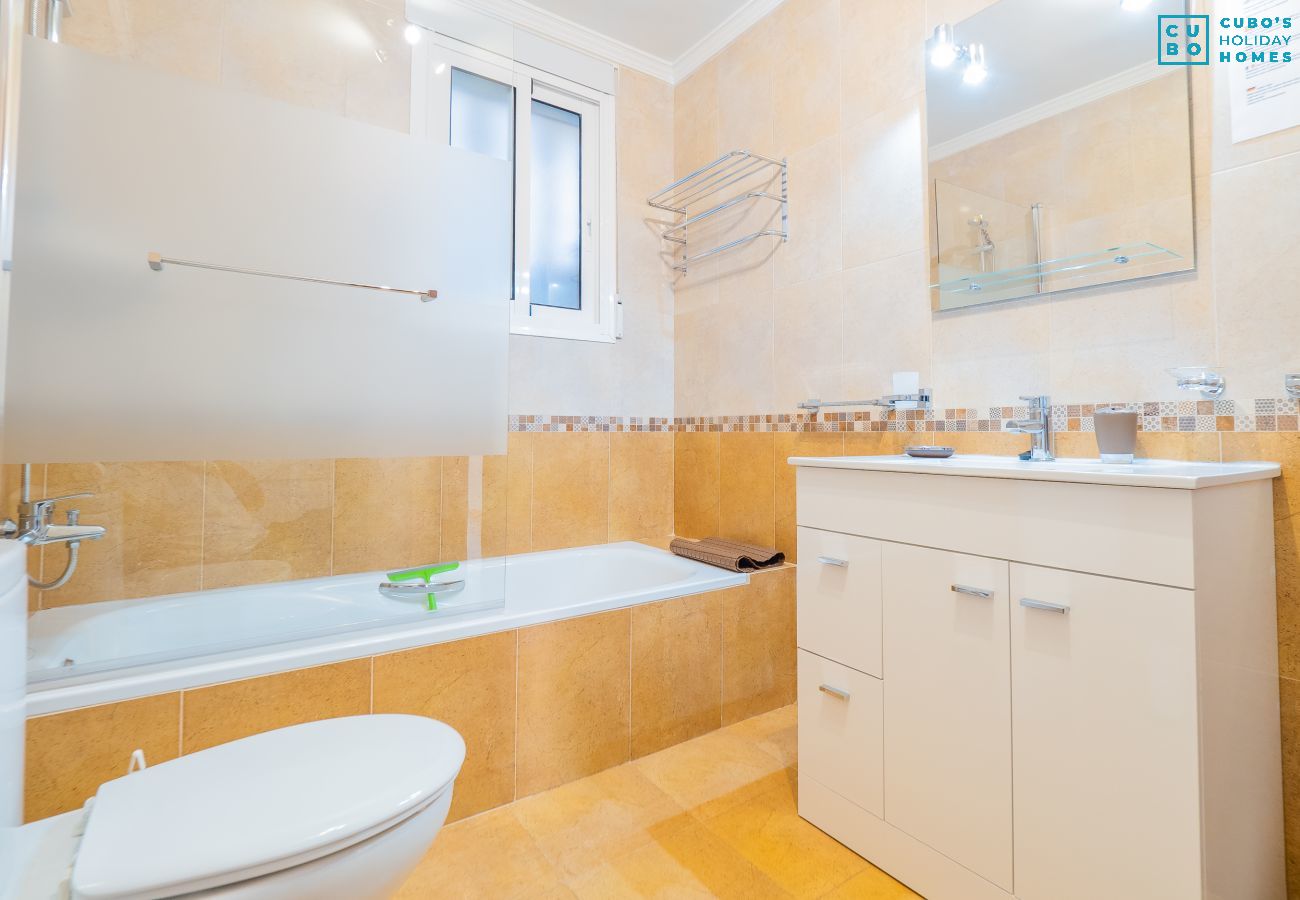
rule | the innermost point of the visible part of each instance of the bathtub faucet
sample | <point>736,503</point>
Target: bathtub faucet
<point>35,529</point>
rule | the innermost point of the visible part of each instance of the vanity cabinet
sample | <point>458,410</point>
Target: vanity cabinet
<point>1054,683</point>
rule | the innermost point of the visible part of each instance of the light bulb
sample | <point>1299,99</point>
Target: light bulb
<point>976,70</point>
<point>943,51</point>
<point>1134,5</point>
<point>412,34</point>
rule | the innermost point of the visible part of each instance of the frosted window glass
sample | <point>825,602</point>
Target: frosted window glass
<point>555,216</point>
<point>482,115</point>
<point>109,360</point>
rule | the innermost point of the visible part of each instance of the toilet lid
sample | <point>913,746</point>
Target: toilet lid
<point>261,804</point>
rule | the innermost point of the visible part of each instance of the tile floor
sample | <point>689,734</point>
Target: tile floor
<point>713,817</point>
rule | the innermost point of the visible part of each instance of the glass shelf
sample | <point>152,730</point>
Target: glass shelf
<point>1109,259</point>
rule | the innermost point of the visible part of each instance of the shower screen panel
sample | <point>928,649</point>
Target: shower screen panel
<point>110,359</point>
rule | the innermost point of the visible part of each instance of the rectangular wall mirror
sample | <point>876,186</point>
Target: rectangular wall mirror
<point>1058,162</point>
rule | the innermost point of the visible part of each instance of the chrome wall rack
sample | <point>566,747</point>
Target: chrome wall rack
<point>157,261</point>
<point>726,183</point>
<point>922,399</point>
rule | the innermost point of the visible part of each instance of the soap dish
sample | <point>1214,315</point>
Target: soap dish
<point>930,452</point>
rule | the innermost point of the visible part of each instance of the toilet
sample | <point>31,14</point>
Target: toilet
<point>340,808</point>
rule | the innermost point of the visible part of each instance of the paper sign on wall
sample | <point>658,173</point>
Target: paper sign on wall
<point>1265,96</point>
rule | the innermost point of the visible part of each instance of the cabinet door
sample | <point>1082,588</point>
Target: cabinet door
<point>948,705</point>
<point>1104,723</point>
<point>839,598</point>
<point>839,730</point>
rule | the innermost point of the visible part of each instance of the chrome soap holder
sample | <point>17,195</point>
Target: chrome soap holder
<point>1206,381</point>
<point>922,399</point>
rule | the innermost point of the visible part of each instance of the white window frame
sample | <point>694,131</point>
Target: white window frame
<point>598,318</point>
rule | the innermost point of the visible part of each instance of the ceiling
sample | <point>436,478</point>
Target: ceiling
<point>662,28</point>
<point>1038,52</point>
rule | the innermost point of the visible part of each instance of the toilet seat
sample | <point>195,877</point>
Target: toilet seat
<point>261,805</point>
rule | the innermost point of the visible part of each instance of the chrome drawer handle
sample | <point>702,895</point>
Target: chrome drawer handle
<point>1040,604</point>
<point>832,561</point>
<point>971,592</point>
<point>834,692</point>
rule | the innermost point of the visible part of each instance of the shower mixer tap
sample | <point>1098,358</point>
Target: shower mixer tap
<point>35,529</point>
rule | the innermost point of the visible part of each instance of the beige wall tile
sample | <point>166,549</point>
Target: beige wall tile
<point>455,508</point>
<point>174,36</point>
<point>519,492</point>
<point>788,444</point>
<point>816,244</point>
<point>882,48</point>
<point>758,645</point>
<point>496,505</point>
<point>386,513</point>
<point>70,754</point>
<point>153,513</point>
<point>695,120</point>
<point>888,443</point>
<point>809,354</point>
<point>574,710</point>
<point>273,50</point>
<point>570,489</point>
<point>470,685</point>
<point>676,671</point>
<point>696,483</point>
<point>1282,448</point>
<point>640,486</point>
<point>747,487</point>
<point>226,712</point>
<point>266,521</point>
<point>1286,542</point>
<point>884,184</point>
<point>992,356</point>
<point>806,94</point>
<point>1290,691</point>
<point>886,324</point>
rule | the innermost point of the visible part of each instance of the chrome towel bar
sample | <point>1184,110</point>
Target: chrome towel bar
<point>157,261</point>
<point>921,399</point>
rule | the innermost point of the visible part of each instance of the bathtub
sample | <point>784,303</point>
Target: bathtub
<point>116,650</point>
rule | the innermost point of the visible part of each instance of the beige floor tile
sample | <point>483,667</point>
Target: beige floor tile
<point>711,773</point>
<point>582,825</point>
<point>683,859</point>
<point>775,733</point>
<point>489,856</point>
<point>768,832</point>
<point>872,884</point>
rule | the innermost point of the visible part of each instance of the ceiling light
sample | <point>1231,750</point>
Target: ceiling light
<point>976,70</point>
<point>943,51</point>
<point>1134,5</point>
<point>412,34</point>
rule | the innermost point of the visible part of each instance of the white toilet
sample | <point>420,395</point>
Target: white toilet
<point>342,808</point>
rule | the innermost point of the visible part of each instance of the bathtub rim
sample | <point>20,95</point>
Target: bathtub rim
<point>77,692</point>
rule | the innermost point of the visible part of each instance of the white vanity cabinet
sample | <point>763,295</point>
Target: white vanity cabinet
<point>1050,681</point>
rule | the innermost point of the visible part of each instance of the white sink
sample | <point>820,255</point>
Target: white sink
<point>1158,473</point>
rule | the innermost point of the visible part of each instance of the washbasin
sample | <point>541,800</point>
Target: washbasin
<point>1167,473</point>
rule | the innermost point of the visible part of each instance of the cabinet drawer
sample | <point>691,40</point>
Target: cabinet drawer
<point>839,598</point>
<point>840,741</point>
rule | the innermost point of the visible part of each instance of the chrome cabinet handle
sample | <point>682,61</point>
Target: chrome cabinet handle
<point>1040,604</point>
<point>833,561</point>
<point>833,691</point>
<point>971,591</point>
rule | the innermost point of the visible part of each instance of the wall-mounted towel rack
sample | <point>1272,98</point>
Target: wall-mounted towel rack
<point>157,261</point>
<point>922,400</point>
<point>741,170</point>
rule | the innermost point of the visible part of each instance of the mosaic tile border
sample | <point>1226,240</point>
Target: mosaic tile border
<point>1272,414</point>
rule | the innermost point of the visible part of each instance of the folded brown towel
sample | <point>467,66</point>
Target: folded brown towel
<point>726,554</point>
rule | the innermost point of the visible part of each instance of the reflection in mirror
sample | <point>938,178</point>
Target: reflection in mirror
<point>1059,162</point>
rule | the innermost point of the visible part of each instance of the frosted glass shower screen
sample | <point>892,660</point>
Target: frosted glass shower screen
<point>109,360</point>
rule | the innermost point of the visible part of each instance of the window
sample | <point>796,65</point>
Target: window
<point>560,137</point>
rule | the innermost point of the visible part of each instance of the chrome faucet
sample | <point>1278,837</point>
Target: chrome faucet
<point>1038,426</point>
<point>36,528</point>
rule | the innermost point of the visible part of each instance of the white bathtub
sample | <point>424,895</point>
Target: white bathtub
<point>104,652</point>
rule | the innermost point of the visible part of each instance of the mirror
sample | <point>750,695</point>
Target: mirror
<point>1059,151</point>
